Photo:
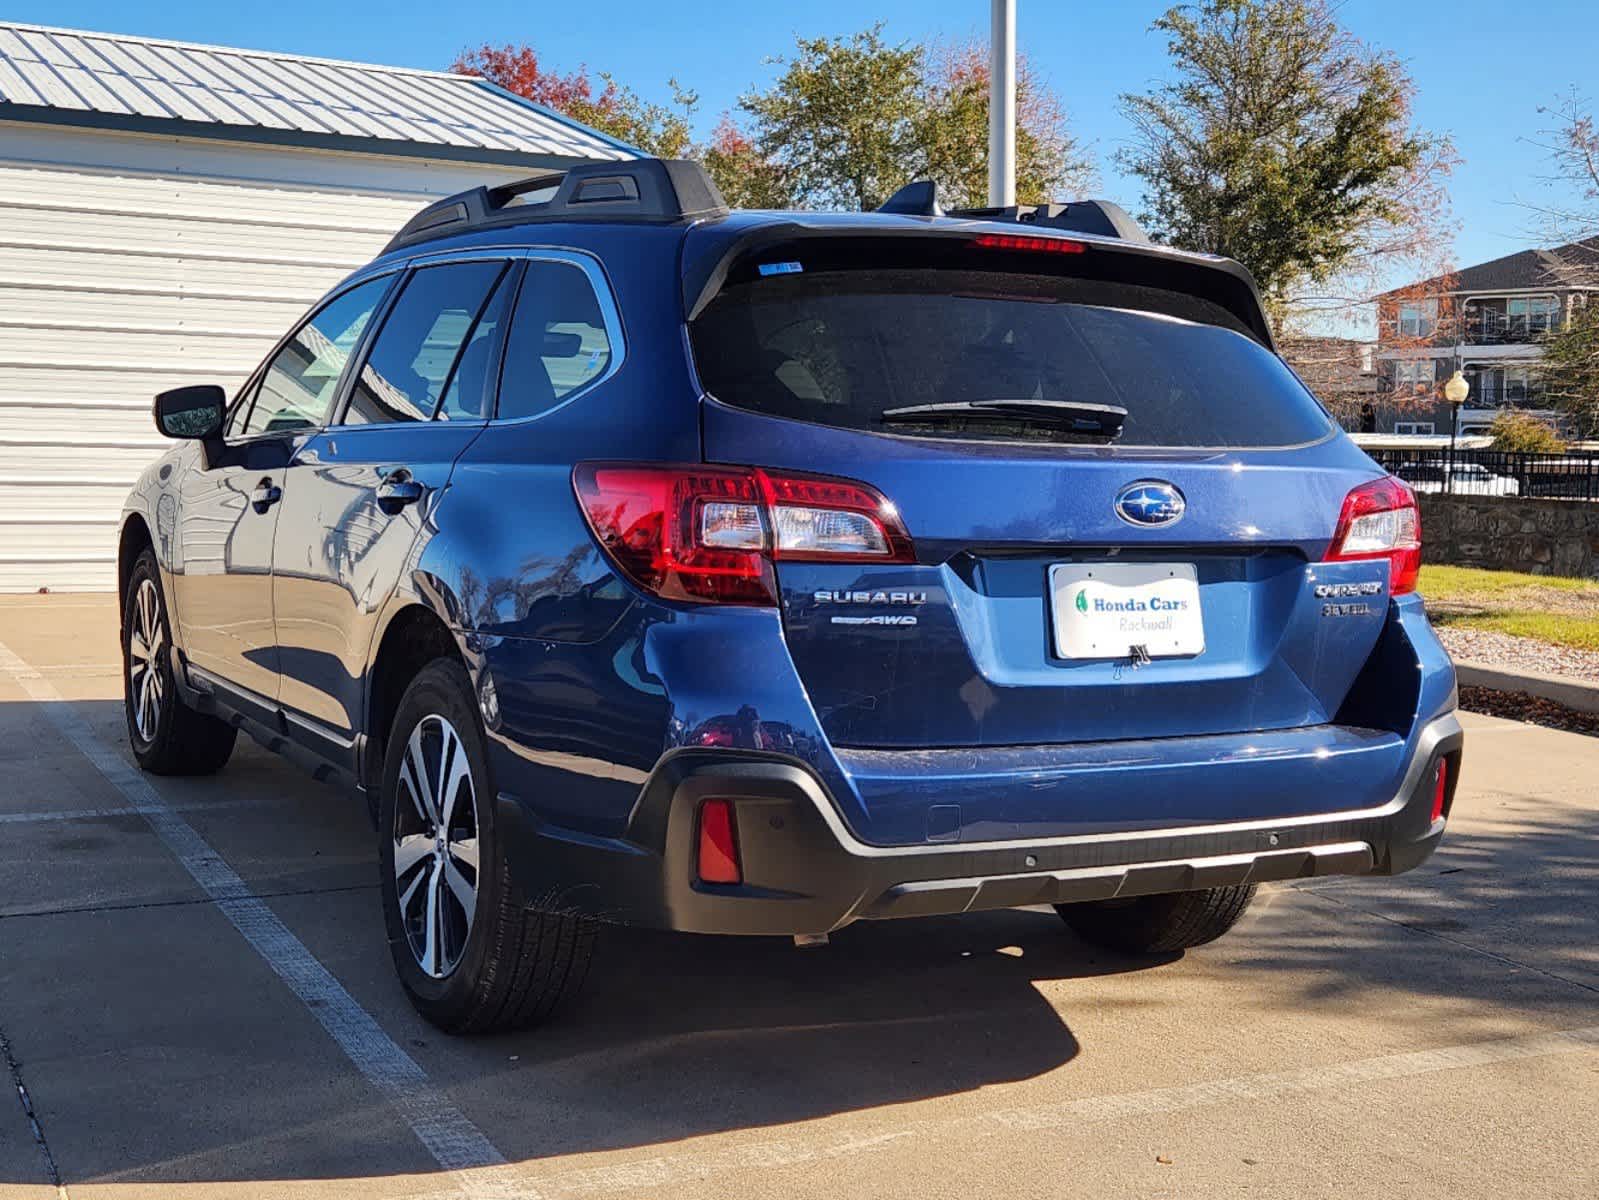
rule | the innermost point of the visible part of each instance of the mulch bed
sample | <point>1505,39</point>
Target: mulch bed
<point>1518,706</point>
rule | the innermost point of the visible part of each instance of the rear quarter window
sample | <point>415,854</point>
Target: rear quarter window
<point>842,347</point>
<point>558,341</point>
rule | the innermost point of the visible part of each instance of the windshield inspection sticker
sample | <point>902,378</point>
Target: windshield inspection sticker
<point>782,268</point>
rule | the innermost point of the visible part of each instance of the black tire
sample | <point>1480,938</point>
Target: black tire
<point>168,737</point>
<point>509,964</point>
<point>1158,924</point>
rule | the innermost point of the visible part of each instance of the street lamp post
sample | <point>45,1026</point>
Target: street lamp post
<point>1455,391</point>
<point>1002,106</point>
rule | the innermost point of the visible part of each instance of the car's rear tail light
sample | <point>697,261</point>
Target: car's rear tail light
<point>1380,520</point>
<point>1017,241</point>
<point>718,853</point>
<point>709,534</point>
<point>1440,788</point>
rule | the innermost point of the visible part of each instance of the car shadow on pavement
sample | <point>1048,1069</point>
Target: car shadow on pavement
<point>690,1035</point>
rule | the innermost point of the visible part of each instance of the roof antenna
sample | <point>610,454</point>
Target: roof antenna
<point>919,199</point>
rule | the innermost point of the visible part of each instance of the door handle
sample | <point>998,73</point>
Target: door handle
<point>266,494</point>
<point>397,488</point>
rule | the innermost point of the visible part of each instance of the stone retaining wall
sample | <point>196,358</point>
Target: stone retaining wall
<point>1546,537</point>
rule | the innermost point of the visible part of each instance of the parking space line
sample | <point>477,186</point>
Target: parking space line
<point>455,1143</point>
<point>90,814</point>
<point>27,914</point>
<point>674,1170</point>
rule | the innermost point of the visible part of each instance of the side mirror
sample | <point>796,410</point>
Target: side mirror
<point>193,412</point>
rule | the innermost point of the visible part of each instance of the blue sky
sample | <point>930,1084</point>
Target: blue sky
<point>1482,68</point>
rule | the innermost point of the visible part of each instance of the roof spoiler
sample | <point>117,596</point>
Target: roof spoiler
<point>709,264</point>
<point>645,189</point>
<point>1099,217</point>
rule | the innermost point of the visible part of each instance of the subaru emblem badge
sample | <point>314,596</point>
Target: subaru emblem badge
<point>1150,503</point>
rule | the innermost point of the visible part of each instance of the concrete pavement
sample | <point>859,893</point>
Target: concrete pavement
<point>1431,1035</point>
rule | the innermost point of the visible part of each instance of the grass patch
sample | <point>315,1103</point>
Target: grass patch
<point>1581,633</point>
<point>1548,608</point>
<point>1475,583</point>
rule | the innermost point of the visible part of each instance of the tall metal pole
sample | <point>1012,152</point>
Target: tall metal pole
<point>1002,106</point>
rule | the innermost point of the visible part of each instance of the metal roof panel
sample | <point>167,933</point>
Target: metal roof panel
<point>14,88</point>
<point>81,67</point>
<point>406,110</point>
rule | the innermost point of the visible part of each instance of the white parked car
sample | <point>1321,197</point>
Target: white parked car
<point>1465,479</point>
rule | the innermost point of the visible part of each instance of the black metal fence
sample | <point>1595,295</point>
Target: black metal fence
<point>1566,476</point>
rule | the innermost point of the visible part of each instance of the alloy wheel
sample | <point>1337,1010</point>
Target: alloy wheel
<point>436,846</point>
<point>146,642</point>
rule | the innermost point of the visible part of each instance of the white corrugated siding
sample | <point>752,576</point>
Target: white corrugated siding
<point>131,263</point>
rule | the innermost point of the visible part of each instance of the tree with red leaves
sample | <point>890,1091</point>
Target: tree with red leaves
<point>746,177</point>
<point>609,107</point>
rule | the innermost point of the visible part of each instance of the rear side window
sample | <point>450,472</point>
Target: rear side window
<point>299,384</point>
<point>842,348</point>
<point>414,354</point>
<point>557,343</point>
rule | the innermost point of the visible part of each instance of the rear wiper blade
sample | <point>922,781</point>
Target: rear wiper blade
<point>1078,417</point>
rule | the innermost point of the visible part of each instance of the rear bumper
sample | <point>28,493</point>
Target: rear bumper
<point>805,872</point>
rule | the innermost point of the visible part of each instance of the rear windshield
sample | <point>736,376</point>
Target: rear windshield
<point>843,348</point>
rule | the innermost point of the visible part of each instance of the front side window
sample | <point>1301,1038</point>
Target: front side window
<point>557,343</point>
<point>299,384</point>
<point>406,374</point>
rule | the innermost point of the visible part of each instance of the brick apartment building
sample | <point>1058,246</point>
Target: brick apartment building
<point>1486,320</point>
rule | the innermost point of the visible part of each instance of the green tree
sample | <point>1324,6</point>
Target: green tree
<point>848,122</point>
<point>852,119</point>
<point>1285,143</point>
<point>841,122</point>
<point>952,132</point>
<point>1570,369</point>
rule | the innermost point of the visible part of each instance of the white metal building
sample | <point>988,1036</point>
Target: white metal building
<point>166,211</point>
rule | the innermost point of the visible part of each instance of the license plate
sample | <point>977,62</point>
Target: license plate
<point>1103,610</point>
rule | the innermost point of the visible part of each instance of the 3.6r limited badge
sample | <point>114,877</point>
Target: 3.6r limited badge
<point>1341,599</point>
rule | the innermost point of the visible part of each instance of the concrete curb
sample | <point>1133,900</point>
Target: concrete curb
<point>1578,694</point>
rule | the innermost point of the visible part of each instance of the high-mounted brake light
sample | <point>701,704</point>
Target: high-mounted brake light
<point>1017,241</point>
<point>1380,519</point>
<point>709,535</point>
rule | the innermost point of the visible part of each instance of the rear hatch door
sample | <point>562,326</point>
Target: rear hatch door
<point>1119,498</point>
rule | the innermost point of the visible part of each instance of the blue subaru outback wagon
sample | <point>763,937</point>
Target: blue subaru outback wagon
<point>749,572</point>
